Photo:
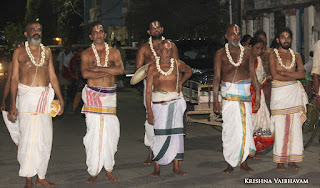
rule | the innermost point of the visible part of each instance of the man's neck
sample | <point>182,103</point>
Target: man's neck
<point>99,46</point>
<point>280,49</point>
<point>233,47</point>
<point>33,47</point>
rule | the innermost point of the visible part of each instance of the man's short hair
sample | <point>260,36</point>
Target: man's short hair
<point>93,25</point>
<point>149,23</point>
<point>245,38</point>
<point>284,29</point>
<point>31,23</point>
<point>260,32</point>
<point>255,40</point>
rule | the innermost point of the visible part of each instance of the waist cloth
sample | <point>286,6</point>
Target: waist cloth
<point>103,128</point>
<point>168,141</point>
<point>288,113</point>
<point>237,133</point>
<point>32,131</point>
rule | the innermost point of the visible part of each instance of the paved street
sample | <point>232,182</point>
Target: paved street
<point>203,156</point>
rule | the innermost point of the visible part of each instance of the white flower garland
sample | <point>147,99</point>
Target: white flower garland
<point>43,55</point>
<point>280,61</point>
<point>97,56</point>
<point>230,58</point>
<point>152,49</point>
<point>161,71</point>
<point>261,74</point>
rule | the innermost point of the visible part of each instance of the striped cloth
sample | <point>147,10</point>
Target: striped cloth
<point>99,100</point>
<point>288,112</point>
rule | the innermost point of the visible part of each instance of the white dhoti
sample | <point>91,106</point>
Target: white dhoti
<point>32,131</point>
<point>288,112</point>
<point>149,132</point>
<point>237,137</point>
<point>168,142</point>
<point>103,128</point>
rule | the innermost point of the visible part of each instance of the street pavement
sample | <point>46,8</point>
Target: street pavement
<point>204,161</point>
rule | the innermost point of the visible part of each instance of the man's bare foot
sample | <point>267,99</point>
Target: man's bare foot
<point>228,170</point>
<point>181,161</point>
<point>280,166</point>
<point>29,183</point>
<point>148,161</point>
<point>244,166</point>
<point>92,179</point>
<point>156,171</point>
<point>111,177</point>
<point>293,166</point>
<point>179,171</point>
<point>44,182</point>
<point>256,157</point>
<point>155,174</point>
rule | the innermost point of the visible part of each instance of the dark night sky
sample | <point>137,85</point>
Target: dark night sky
<point>11,10</point>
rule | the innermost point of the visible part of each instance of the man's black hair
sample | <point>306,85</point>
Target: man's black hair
<point>259,32</point>
<point>94,24</point>
<point>284,29</point>
<point>245,38</point>
<point>149,23</point>
<point>255,40</point>
<point>33,22</point>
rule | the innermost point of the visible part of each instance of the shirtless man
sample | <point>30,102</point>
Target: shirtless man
<point>265,62</point>
<point>33,84</point>
<point>146,55</point>
<point>236,78</point>
<point>288,102</point>
<point>164,87</point>
<point>99,65</point>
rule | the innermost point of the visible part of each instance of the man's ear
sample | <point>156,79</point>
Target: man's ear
<point>148,32</point>
<point>278,41</point>
<point>90,36</point>
<point>25,34</point>
<point>226,36</point>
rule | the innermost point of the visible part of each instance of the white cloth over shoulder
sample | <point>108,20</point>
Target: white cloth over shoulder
<point>288,113</point>
<point>35,129</point>
<point>13,127</point>
<point>168,142</point>
<point>237,134</point>
<point>103,128</point>
<point>316,59</point>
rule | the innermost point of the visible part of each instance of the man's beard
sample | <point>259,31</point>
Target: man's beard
<point>286,47</point>
<point>234,44</point>
<point>155,37</point>
<point>34,41</point>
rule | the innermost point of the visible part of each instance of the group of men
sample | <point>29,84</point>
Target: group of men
<point>34,82</point>
<point>287,104</point>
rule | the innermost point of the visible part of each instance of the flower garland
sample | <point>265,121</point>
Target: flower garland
<point>43,55</point>
<point>161,71</point>
<point>230,58</point>
<point>152,49</point>
<point>280,61</point>
<point>97,56</point>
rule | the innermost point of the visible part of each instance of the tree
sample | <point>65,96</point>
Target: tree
<point>44,12</point>
<point>14,34</point>
<point>180,18</point>
<point>69,19</point>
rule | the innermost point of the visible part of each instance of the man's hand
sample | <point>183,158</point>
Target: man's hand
<point>180,87</point>
<point>61,108</point>
<point>257,104</point>
<point>318,101</point>
<point>12,116</point>
<point>3,106</point>
<point>150,118</point>
<point>216,107</point>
